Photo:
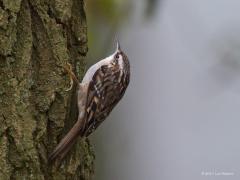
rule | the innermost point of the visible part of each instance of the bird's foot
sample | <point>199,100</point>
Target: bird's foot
<point>72,76</point>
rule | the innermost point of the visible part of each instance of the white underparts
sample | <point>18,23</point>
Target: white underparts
<point>91,71</point>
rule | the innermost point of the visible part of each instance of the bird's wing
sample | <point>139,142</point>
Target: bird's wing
<point>105,91</point>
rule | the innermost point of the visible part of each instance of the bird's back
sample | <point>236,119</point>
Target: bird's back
<point>107,87</point>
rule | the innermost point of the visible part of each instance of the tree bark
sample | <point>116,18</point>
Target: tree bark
<point>38,37</point>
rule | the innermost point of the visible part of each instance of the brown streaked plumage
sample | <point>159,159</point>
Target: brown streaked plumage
<point>101,89</point>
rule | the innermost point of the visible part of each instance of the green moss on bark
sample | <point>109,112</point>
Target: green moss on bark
<point>37,38</point>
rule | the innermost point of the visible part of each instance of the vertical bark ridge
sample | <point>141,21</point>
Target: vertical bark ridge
<point>37,37</point>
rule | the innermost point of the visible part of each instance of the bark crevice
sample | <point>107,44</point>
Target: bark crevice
<point>37,37</point>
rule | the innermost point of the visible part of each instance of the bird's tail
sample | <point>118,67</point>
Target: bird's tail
<point>66,143</point>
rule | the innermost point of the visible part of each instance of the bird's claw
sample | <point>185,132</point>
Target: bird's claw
<point>68,68</point>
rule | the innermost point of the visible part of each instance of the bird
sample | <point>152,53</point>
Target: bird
<point>101,88</point>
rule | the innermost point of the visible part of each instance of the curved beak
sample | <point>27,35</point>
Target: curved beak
<point>118,46</point>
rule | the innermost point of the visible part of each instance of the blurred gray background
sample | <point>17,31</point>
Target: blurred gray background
<point>180,117</point>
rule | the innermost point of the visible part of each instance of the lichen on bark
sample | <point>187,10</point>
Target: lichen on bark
<point>37,37</point>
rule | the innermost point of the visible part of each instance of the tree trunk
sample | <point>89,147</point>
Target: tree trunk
<point>37,38</point>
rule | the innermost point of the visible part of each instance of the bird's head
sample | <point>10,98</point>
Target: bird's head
<point>119,57</point>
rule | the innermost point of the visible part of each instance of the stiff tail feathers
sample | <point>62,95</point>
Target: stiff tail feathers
<point>69,140</point>
<point>66,143</point>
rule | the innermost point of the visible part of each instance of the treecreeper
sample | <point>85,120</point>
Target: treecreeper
<point>102,87</point>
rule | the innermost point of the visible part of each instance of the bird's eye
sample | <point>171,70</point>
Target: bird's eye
<point>116,56</point>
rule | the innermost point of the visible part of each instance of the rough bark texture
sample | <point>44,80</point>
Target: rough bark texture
<point>37,37</point>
